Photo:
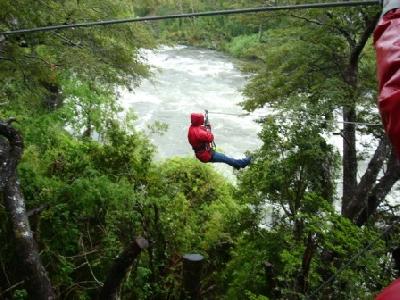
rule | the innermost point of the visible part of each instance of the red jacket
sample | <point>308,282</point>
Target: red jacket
<point>200,137</point>
<point>392,292</point>
<point>387,45</point>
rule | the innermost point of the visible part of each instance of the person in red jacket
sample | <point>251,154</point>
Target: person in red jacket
<point>201,138</point>
<point>387,46</point>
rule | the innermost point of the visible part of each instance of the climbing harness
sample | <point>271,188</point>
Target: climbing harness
<point>207,124</point>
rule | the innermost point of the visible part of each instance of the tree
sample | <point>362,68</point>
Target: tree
<point>34,64</point>
<point>323,68</point>
<point>40,73</point>
<point>291,222</point>
<point>37,282</point>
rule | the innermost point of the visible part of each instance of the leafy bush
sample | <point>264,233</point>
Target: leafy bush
<point>244,46</point>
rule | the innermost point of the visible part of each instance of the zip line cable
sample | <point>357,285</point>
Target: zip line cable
<point>307,119</point>
<point>229,114</point>
<point>346,122</point>
<point>199,14</point>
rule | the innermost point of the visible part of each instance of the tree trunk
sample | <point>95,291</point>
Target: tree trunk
<point>396,259</point>
<point>349,160</point>
<point>350,165</point>
<point>302,280</point>
<point>380,190</point>
<point>120,268</point>
<point>37,282</point>
<point>368,180</point>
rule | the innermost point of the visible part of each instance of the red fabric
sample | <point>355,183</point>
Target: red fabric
<point>200,137</point>
<point>387,45</point>
<point>392,292</point>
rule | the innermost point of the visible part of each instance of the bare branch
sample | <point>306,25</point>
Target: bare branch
<point>65,39</point>
<point>316,22</point>
<point>88,263</point>
<point>12,287</point>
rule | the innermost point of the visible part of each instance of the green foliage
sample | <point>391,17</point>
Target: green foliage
<point>35,68</point>
<point>193,179</point>
<point>252,296</point>
<point>94,177</point>
<point>87,107</point>
<point>90,209</point>
<point>333,235</point>
<point>186,207</point>
<point>244,46</point>
<point>245,271</point>
<point>158,128</point>
<point>20,294</point>
<point>294,162</point>
<point>101,195</point>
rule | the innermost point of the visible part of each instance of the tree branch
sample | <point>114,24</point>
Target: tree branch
<point>120,268</point>
<point>37,210</point>
<point>368,180</point>
<point>302,279</point>
<point>380,190</point>
<point>315,22</point>
<point>68,41</point>
<point>358,48</point>
<point>340,30</point>
<point>11,288</point>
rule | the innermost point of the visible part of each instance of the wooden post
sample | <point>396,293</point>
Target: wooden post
<point>192,267</point>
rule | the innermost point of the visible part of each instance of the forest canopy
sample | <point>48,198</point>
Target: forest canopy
<point>87,211</point>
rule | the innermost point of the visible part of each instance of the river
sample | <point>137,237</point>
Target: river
<point>185,80</point>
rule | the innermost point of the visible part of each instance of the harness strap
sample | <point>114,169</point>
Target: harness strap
<point>204,147</point>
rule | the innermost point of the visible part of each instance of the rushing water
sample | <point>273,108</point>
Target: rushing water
<point>186,80</point>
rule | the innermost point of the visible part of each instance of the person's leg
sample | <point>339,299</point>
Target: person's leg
<point>236,163</point>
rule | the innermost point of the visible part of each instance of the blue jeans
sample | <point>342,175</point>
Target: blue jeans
<point>236,163</point>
